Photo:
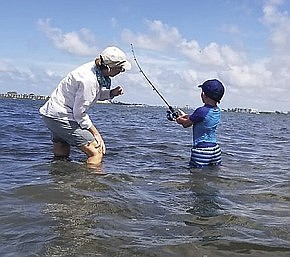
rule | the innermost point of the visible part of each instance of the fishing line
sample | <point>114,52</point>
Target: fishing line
<point>171,114</point>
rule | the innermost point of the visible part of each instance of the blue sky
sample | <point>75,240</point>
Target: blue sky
<point>179,44</point>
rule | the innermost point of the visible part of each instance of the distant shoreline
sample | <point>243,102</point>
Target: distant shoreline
<point>32,96</point>
<point>42,97</point>
<point>15,95</point>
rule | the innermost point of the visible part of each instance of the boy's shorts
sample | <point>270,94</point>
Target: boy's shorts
<point>201,157</point>
<point>68,132</point>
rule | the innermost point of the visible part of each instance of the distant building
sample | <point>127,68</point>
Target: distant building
<point>242,110</point>
<point>15,95</point>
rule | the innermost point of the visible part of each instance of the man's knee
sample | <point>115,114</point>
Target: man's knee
<point>94,152</point>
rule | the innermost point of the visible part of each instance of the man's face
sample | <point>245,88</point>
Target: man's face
<point>113,71</point>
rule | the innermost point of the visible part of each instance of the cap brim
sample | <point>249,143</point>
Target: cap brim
<point>126,65</point>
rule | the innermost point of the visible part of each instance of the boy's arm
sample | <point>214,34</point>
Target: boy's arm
<point>184,121</point>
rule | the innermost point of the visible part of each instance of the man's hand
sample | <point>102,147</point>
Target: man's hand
<point>100,142</point>
<point>116,91</point>
<point>98,138</point>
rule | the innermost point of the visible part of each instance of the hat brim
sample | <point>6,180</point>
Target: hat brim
<point>126,65</point>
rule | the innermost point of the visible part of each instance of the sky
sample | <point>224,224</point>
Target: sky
<point>178,44</point>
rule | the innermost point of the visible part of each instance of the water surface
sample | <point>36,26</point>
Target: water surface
<point>147,202</point>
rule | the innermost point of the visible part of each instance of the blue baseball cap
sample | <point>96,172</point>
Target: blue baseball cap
<point>213,88</point>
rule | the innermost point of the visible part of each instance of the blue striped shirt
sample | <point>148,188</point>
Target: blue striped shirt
<point>205,120</point>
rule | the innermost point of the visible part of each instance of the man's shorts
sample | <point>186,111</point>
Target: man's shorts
<point>201,157</point>
<point>68,132</point>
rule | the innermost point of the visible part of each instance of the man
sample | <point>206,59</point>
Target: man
<point>65,113</point>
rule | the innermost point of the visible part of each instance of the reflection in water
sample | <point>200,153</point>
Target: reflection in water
<point>60,167</point>
<point>207,201</point>
<point>207,206</point>
<point>72,211</point>
<point>147,203</point>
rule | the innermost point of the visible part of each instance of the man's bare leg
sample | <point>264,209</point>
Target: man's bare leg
<point>94,151</point>
<point>61,151</point>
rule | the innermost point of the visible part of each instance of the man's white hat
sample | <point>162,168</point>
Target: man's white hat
<point>113,56</point>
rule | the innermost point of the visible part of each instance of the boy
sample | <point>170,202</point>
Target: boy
<point>205,150</point>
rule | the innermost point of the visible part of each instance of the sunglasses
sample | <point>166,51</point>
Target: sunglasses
<point>119,68</point>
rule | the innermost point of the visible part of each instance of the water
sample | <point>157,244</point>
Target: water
<point>147,202</point>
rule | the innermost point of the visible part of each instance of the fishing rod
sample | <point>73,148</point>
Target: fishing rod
<point>171,114</point>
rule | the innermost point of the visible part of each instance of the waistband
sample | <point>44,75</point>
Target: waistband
<point>205,145</point>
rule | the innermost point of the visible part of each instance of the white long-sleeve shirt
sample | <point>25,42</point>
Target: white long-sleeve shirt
<point>74,95</point>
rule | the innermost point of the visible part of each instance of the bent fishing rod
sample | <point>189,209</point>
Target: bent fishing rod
<point>171,114</point>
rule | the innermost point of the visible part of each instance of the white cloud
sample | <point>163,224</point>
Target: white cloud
<point>249,83</point>
<point>231,29</point>
<point>6,67</point>
<point>34,78</point>
<point>279,24</point>
<point>176,65</point>
<point>81,43</point>
<point>114,22</point>
<point>160,36</point>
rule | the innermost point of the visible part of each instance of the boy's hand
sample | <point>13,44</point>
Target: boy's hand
<point>184,121</point>
<point>181,113</point>
<point>174,115</point>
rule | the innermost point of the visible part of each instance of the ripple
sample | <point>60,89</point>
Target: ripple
<point>144,200</point>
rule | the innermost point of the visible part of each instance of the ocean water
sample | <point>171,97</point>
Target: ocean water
<point>144,200</point>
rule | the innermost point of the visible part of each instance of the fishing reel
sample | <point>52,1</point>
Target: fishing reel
<point>172,115</point>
